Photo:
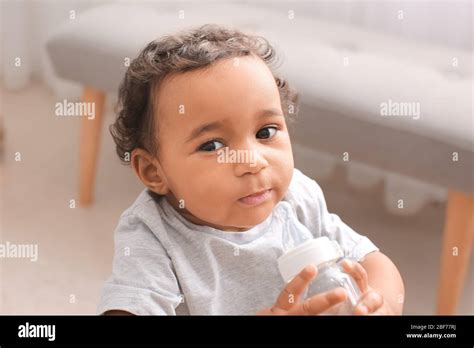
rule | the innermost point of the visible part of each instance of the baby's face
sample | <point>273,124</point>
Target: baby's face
<point>222,137</point>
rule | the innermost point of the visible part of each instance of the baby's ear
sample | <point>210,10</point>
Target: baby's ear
<point>148,169</point>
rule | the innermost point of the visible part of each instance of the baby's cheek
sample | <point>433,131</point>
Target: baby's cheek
<point>283,175</point>
<point>209,201</point>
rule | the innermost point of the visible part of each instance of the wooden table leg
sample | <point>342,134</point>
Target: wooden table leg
<point>456,250</point>
<point>89,145</point>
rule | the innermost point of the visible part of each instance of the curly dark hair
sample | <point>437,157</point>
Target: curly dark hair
<point>188,50</point>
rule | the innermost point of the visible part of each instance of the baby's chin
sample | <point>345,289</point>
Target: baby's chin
<point>246,218</point>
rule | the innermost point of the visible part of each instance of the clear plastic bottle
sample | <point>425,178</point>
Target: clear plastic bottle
<point>301,249</point>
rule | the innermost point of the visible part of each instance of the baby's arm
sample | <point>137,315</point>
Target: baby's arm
<point>378,276</point>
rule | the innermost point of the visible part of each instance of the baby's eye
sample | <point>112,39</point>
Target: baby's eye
<point>210,146</point>
<point>267,132</point>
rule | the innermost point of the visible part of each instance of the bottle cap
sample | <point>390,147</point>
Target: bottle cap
<point>315,251</point>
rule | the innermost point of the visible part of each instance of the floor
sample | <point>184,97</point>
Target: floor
<point>75,244</point>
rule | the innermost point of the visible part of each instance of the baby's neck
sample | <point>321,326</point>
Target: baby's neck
<point>195,220</point>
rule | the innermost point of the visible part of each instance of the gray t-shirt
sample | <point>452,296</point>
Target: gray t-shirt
<point>165,264</point>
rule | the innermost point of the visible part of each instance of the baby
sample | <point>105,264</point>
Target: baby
<point>202,119</point>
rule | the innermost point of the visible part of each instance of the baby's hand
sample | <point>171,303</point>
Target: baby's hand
<point>371,302</point>
<point>289,300</point>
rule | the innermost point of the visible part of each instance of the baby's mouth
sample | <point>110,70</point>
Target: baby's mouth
<point>256,198</point>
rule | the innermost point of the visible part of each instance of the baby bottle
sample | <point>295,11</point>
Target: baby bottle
<point>301,249</point>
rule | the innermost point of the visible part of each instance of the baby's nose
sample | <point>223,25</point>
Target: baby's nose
<point>253,162</point>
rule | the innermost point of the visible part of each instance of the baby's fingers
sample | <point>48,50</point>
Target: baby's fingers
<point>356,271</point>
<point>293,291</point>
<point>370,303</point>
<point>319,303</point>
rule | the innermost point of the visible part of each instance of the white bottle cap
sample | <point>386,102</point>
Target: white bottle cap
<point>314,251</point>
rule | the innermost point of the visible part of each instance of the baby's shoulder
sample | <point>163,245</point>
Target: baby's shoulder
<point>141,222</point>
<point>303,190</point>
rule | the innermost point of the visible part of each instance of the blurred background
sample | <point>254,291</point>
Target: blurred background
<point>385,127</point>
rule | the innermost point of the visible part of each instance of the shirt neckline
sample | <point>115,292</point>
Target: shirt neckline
<point>239,237</point>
